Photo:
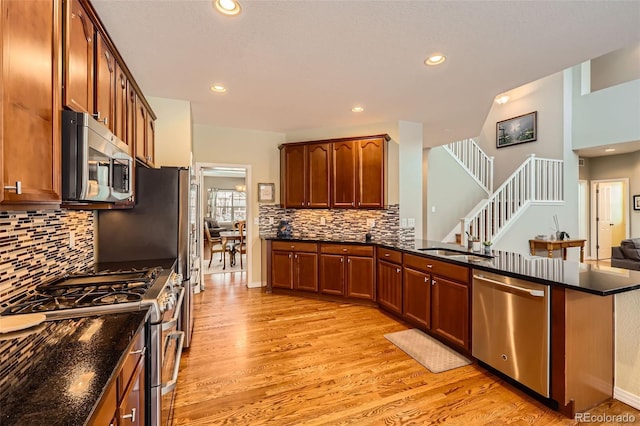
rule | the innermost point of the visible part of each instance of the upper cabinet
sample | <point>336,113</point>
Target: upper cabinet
<point>337,173</point>
<point>97,81</point>
<point>30,131</point>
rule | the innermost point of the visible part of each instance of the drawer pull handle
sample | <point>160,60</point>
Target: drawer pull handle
<point>139,351</point>
<point>429,266</point>
<point>386,255</point>
<point>17,187</point>
<point>344,249</point>
<point>131,416</point>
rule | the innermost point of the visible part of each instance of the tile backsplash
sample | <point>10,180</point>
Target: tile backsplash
<point>35,247</point>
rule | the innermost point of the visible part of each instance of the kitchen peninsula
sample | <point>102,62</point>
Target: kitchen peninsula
<point>580,298</point>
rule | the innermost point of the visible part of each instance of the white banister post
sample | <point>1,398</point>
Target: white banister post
<point>463,231</point>
<point>491,174</point>
<point>532,177</point>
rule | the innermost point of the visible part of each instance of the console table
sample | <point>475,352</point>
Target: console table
<point>551,245</point>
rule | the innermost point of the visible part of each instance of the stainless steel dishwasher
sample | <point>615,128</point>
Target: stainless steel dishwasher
<point>510,328</point>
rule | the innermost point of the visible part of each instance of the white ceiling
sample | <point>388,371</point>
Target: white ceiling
<point>297,64</point>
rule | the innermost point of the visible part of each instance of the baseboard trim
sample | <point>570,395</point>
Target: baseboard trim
<point>255,284</point>
<point>627,397</point>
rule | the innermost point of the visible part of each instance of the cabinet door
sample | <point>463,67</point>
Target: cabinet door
<point>282,269</point>
<point>371,173</point>
<point>105,83</point>
<point>332,274</point>
<point>141,131</point>
<point>360,277</point>
<point>344,174</point>
<point>319,175</point>
<point>120,107</point>
<point>390,286</point>
<point>132,406</point>
<point>150,151</point>
<point>294,179</point>
<point>78,58</point>
<point>306,271</point>
<point>31,82</point>
<point>131,119</point>
<point>417,297</point>
<point>450,310</point>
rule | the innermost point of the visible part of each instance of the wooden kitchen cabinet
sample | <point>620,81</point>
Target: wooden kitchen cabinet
<point>389,280</point>
<point>105,83</point>
<point>144,134</point>
<point>120,120</point>
<point>305,175</point>
<point>30,147</point>
<point>450,310</point>
<point>131,409</point>
<point>294,266</point>
<point>417,297</point>
<point>78,57</point>
<point>347,270</point>
<point>345,160</point>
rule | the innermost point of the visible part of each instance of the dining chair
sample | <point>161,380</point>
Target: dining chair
<point>240,247</point>
<point>216,246</point>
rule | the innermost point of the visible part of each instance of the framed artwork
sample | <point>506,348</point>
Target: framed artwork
<point>636,202</point>
<point>266,192</point>
<point>517,130</point>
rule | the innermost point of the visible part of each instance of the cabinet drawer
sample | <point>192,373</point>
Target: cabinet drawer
<point>390,255</point>
<point>294,246</point>
<point>347,249</point>
<point>444,269</point>
<point>136,352</point>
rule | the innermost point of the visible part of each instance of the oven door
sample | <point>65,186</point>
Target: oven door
<point>172,344</point>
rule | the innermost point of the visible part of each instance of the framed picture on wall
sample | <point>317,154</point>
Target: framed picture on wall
<point>517,130</point>
<point>636,202</point>
<point>266,192</point>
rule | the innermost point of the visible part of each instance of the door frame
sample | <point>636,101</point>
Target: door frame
<point>593,225</point>
<point>201,199</point>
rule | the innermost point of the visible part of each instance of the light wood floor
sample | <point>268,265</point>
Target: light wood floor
<point>258,358</point>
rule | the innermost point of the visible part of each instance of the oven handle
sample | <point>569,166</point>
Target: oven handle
<point>171,384</point>
<point>176,313</point>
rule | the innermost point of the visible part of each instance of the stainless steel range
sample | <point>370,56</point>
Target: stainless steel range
<point>114,291</point>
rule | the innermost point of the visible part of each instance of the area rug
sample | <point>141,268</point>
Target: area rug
<point>432,354</point>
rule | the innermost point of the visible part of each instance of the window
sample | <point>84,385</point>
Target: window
<point>228,205</point>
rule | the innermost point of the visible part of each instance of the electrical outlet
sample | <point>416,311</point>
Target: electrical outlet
<point>411,222</point>
<point>371,223</point>
<point>403,223</point>
<point>270,221</point>
<point>72,239</point>
<point>433,209</point>
<point>323,221</point>
<point>256,221</point>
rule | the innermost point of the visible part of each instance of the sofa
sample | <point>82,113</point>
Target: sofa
<point>627,254</point>
<point>214,227</point>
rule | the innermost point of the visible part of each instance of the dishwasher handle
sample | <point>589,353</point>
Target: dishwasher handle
<point>532,292</point>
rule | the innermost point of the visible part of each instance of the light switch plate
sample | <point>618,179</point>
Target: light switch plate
<point>323,221</point>
<point>371,223</point>
<point>403,223</point>
<point>411,222</point>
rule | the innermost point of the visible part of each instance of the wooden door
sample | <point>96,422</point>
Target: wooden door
<point>332,274</point>
<point>319,175</point>
<point>389,288</point>
<point>30,102</point>
<point>450,310</point>
<point>306,271</point>
<point>282,269</point>
<point>294,180</point>
<point>120,107</point>
<point>370,173</point>
<point>150,151</point>
<point>344,174</point>
<point>417,297</point>
<point>141,131</point>
<point>360,277</point>
<point>105,83</point>
<point>78,58</point>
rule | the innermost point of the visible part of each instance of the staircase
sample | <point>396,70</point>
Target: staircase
<point>473,159</point>
<point>537,180</point>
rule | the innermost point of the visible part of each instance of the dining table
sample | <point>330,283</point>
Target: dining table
<point>230,237</point>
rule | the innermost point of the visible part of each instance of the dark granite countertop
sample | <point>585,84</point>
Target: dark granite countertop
<point>590,278</point>
<point>57,374</point>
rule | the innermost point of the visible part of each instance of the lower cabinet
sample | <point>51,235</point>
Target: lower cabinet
<point>450,310</point>
<point>294,266</point>
<point>417,297</point>
<point>390,286</point>
<point>347,270</point>
<point>131,409</point>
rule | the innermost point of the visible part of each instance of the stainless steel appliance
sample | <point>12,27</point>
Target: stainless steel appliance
<point>121,291</point>
<point>510,329</point>
<point>96,165</point>
<point>156,228</point>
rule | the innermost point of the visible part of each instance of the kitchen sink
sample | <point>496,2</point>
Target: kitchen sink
<point>441,252</point>
<point>457,255</point>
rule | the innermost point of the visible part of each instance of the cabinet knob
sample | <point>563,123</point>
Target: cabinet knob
<point>131,416</point>
<point>296,256</point>
<point>429,266</point>
<point>342,260</point>
<point>344,249</point>
<point>289,255</point>
<point>17,187</point>
<point>348,260</point>
<point>433,282</point>
<point>398,270</point>
<point>426,279</point>
<point>386,255</point>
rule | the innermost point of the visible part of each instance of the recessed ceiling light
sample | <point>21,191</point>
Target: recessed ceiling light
<point>218,88</point>
<point>357,109</point>
<point>609,150</point>
<point>436,59</point>
<point>227,7</point>
<point>502,99</point>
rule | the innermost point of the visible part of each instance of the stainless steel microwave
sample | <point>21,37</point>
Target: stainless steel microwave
<point>96,166</point>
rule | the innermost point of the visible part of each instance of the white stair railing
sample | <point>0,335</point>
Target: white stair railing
<point>472,158</point>
<point>537,180</point>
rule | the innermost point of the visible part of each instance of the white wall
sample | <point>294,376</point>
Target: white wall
<point>614,68</point>
<point>627,354</point>
<point>173,132</point>
<point>410,173</point>
<point>258,149</point>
